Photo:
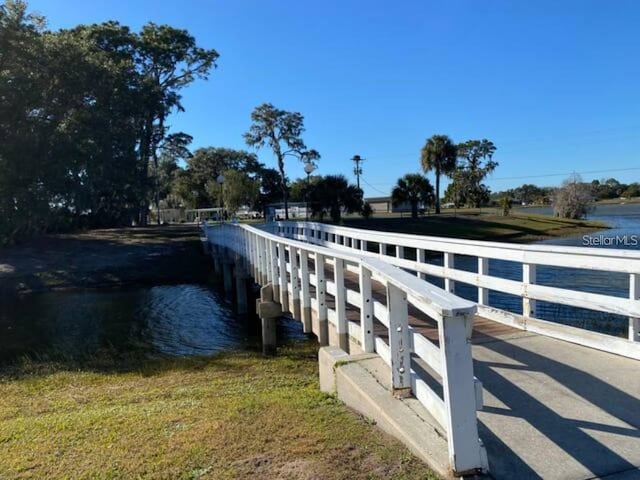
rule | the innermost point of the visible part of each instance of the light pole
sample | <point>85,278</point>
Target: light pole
<point>220,181</point>
<point>357,170</point>
<point>309,168</point>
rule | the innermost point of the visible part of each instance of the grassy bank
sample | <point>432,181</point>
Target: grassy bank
<point>473,225</point>
<point>229,416</point>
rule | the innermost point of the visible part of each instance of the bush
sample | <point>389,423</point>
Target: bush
<point>574,199</point>
<point>367,211</point>
<point>505,205</point>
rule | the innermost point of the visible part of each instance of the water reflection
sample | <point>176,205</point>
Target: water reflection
<point>172,320</point>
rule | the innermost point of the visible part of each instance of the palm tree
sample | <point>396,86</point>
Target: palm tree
<point>438,154</point>
<point>333,194</point>
<point>414,189</point>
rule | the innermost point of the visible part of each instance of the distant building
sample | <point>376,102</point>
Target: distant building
<point>385,205</point>
<point>297,211</point>
<point>380,204</point>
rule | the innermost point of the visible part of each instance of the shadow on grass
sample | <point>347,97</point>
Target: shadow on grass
<point>145,256</point>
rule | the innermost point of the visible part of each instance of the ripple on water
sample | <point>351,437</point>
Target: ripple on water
<point>168,319</point>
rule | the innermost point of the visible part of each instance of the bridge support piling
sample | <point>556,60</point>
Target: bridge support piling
<point>227,272</point>
<point>215,255</point>
<point>241,287</point>
<point>268,311</point>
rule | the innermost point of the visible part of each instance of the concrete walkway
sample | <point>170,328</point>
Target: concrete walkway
<point>555,410</point>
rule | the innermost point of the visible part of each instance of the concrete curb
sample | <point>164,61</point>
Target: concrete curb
<point>358,381</point>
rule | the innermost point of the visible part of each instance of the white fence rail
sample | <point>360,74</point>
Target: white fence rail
<point>296,268</point>
<point>528,256</point>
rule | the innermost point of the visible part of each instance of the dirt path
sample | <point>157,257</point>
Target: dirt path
<point>104,258</point>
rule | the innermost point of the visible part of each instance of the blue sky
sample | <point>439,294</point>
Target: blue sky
<point>555,85</point>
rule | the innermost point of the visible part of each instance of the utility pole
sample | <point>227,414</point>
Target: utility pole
<point>357,169</point>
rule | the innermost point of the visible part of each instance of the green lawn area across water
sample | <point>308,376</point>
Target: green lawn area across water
<point>474,225</point>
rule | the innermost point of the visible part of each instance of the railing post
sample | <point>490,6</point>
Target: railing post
<point>399,251</point>
<point>340,305</point>
<point>295,285</point>
<point>528,278</point>
<point>273,269</point>
<point>305,291</point>
<point>367,338</point>
<point>449,263</point>
<point>382,248</point>
<point>634,294</point>
<point>363,245</point>
<point>251,255</point>
<point>483,269</point>
<point>321,292</point>
<point>399,341</point>
<point>260,252</point>
<point>284,283</point>
<point>465,450</point>
<point>421,258</point>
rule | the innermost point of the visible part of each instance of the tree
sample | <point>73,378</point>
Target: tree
<point>367,211</point>
<point>300,189</point>
<point>632,190</point>
<point>23,200</point>
<point>281,131</point>
<point>197,185</point>
<point>438,154</point>
<point>270,191</point>
<point>505,205</point>
<point>574,199</point>
<point>470,175</point>
<point>82,117</point>
<point>239,190</point>
<point>168,59</point>
<point>414,189</point>
<point>333,194</point>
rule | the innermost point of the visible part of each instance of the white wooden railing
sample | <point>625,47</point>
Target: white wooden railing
<point>294,267</point>
<point>528,256</point>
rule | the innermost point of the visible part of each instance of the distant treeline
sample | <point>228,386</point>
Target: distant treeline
<point>83,119</point>
<point>529,194</point>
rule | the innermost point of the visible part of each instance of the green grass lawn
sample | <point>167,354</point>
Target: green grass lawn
<point>474,225</point>
<point>237,415</point>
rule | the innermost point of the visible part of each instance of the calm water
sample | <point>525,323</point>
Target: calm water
<point>171,320</point>
<point>624,220</point>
